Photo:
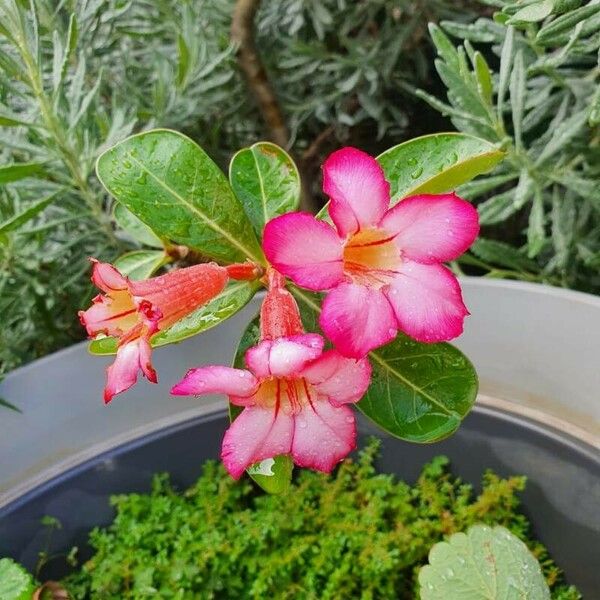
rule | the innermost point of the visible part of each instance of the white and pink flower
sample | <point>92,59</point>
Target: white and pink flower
<point>382,266</point>
<point>294,395</point>
<point>133,311</point>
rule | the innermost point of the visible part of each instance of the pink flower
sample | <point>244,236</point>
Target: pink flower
<point>134,310</point>
<point>294,395</point>
<point>382,266</point>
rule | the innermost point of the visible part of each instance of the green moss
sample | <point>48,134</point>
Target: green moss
<point>356,534</point>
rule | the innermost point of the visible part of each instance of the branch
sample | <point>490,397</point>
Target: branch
<point>242,35</point>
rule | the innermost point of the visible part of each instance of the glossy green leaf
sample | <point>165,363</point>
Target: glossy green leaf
<point>483,564</point>
<point>266,181</point>
<point>138,230</point>
<point>17,171</point>
<point>29,213</point>
<point>141,264</point>
<point>172,185</point>
<point>418,392</point>
<point>273,475</point>
<point>436,163</point>
<point>230,301</point>
<point>15,582</point>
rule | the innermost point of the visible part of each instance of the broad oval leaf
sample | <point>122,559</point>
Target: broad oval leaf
<point>483,564</point>
<point>138,230</point>
<point>266,181</point>
<point>436,163</point>
<point>273,475</point>
<point>172,185</point>
<point>230,301</point>
<point>141,264</point>
<point>419,392</point>
<point>15,582</point>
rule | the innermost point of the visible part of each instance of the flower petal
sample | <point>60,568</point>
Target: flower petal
<point>216,380</point>
<point>356,185</point>
<point>428,302</point>
<point>339,379</point>
<point>123,373</point>
<point>323,435</point>
<point>432,229</point>
<point>357,319</point>
<point>106,277</point>
<point>283,356</point>
<point>305,249</point>
<point>256,434</point>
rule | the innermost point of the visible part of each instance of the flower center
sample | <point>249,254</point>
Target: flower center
<point>287,394</point>
<point>371,258</point>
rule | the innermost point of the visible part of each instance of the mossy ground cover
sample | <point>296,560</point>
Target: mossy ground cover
<point>357,534</point>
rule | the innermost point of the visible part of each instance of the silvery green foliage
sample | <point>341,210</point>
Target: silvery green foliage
<point>540,100</point>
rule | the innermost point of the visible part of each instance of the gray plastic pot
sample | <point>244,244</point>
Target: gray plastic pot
<point>536,349</point>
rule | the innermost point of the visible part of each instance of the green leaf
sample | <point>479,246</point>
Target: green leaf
<point>483,564</point>
<point>183,64</point>
<point>506,60</point>
<point>445,48</point>
<point>517,96</point>
<point>418,392</point>
<point>15,582</point>
<point>230,301</point>
<point>138,230</point>
<point>533,13</point>
<point>141,264</point>
<point>9,405</point>
<point>273,475</point>
<point>171,184</point>
<point>484,78</point>
<point>436,163</point>
<point>501,254</point>
<point>536,234</point>
<point>17,171</point>
<point>29,213</point>
<point>266,181</point>
<point>548,34</point>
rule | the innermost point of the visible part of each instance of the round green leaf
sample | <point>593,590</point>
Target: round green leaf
<point>436,163</point>
<point>482,564</point>
<point>15,582</point>
<point>172,185</point>
<point>138,230</point>
<point>231,300</point>
<point>141,264</point>
<point>266,181</point>
<point>418,392</point>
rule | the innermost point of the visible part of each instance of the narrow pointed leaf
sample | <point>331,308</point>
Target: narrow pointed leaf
<point>482,564</point>
<point>418,392</point>
<point>171,184</point>
<point>17,171</point>
<point>266,181</point>
<point>29,213</point>
<point>230,301</point>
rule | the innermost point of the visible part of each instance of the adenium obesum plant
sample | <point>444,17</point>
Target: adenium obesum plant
<point>380,268</point>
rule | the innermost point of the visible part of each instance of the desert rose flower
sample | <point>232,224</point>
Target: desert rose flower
<point>133,311</point>
<point>294,395</point>
<point>382,266</point>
